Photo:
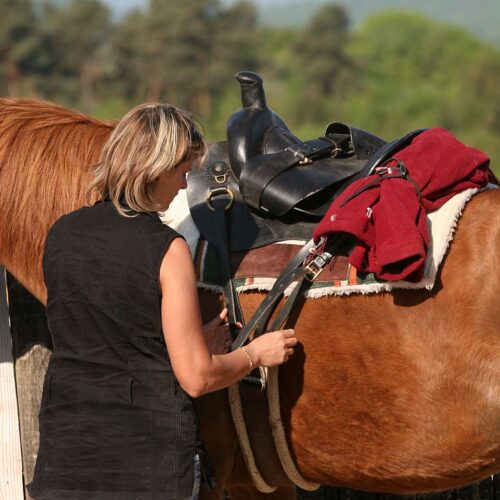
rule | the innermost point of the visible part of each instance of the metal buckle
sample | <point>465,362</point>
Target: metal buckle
<point>296,152</point>
<point>305,161</point>
<point>386,169</point>
<point>218,192</point>
<point>218,171</point>
<point>316,265</point>
<point>220,179</point>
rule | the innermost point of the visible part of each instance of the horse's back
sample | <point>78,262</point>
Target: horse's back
<point>400,391</point>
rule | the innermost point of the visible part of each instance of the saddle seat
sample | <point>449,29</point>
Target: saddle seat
<point>274,186</point>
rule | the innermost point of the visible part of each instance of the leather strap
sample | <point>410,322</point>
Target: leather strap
<point>262,169</point>
<point>383,155</point>
<point>294,271</point>
<point>399,171</point>
<point>221,207</point>
<point>304,272</point>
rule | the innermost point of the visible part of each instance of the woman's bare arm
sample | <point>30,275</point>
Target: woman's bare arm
<point>198,371</point>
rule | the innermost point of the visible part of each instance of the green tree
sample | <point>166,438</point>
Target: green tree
<point>18,44</point>
<point>417,72</point>
<point>75,37</point>
<point>321,61</point>
<point>180,51</point>
<point>129,73</point>
<point>321,46</point>
<point>235,39</point>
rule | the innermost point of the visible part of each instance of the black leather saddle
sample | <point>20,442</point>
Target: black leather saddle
<point>278,172</point>
<point>273,185</point>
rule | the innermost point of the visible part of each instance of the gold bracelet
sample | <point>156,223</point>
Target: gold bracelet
<point>250,362</point>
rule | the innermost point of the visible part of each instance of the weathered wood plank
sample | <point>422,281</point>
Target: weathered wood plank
<point>11,470</point>
<point>30,372</point>
<point>486,489</point>
<point>443,495</point>
<point>321,494</point>
<point>31,343</point>
<point>496,487</point>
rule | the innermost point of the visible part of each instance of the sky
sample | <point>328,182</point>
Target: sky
<point>121,6</point>
<point>482,21</point>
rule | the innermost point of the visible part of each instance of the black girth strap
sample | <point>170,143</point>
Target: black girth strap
<point>220,201</point>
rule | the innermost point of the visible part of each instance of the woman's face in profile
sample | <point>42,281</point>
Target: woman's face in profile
<point>170,182</point>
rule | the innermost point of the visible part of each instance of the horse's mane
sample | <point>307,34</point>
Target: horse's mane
<point>46,152</point>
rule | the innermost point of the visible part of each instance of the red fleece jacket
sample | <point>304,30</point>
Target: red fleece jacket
<point>389,218</point>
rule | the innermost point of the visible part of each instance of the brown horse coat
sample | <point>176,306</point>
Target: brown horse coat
<point>392,392</point>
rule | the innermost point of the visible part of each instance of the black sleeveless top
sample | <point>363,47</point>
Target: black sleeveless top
<point>114,422</point>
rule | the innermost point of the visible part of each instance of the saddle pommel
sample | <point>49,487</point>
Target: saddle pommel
<point>252,90</point>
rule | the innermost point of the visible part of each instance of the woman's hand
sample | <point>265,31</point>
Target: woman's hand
<point>272,348</point>
<point>217,334</point>
<point>197,370</point>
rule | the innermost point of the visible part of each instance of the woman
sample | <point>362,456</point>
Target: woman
<point>117,420</point>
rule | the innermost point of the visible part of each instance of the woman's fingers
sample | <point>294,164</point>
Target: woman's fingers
<point>222,316</point>
<point>273,348</point>
<point>219,319</point>
<point>290,341</point>
<point>216,322</point>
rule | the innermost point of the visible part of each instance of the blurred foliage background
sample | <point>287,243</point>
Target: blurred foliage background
<point>396,71</point>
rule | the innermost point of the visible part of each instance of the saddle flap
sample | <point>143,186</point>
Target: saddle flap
<point>298,187</point>
<point>323,186</point>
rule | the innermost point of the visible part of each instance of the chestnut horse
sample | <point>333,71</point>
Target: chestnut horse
<point>394,392</point>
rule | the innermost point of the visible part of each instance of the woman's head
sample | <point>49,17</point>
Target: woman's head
<point>153,145</point>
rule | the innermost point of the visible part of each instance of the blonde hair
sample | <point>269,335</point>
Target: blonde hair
<point>150,139</point>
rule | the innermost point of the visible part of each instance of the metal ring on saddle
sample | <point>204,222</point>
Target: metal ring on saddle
<point>335,150</point>
<point>335,147</point>
<point>217,192</point>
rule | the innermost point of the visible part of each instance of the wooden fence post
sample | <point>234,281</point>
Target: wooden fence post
<point>11,463</point>
<point>31,349</point>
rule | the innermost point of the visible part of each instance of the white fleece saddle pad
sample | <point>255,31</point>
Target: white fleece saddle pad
<point>441,225</point>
